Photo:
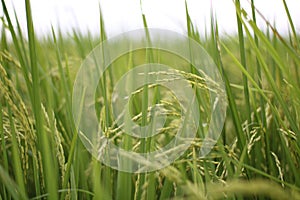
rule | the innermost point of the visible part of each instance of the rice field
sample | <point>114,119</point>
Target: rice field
<point>44,153</point>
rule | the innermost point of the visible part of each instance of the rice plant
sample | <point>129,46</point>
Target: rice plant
<point>257,156</point>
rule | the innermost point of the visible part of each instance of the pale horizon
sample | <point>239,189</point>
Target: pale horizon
<point>125,15</point>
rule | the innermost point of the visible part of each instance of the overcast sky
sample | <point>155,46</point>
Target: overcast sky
<point>125,15</point>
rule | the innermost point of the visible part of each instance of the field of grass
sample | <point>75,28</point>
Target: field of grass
<point>256,157</point>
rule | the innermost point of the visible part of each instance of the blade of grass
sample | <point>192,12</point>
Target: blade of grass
<point>12,187</point>
<point>69,164</point>
<point>243,62</point>
<point>65,87</point>
<point>193,35</point>
<point>100,192</point>
<point>21,39</point>
<point>48,165</point>
<point>261,100</point>
<point>291,24</point>
<point>106,172</point>
<point>145,145</point>
<point>262,103</point>
<point>167,190</point>
<point>149,144</point>
<point>232,104</point>
<point>124,182</point>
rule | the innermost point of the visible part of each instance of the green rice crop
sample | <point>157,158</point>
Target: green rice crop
<point>256,157</point>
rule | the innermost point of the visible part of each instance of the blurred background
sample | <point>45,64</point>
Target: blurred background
<point>125,15</point>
